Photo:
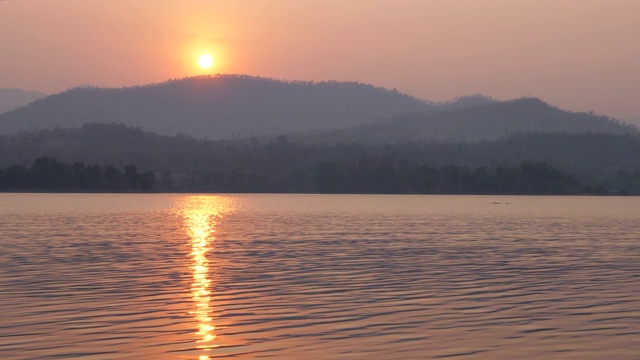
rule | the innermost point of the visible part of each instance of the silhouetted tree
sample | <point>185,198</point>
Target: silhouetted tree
<point>48,174</point>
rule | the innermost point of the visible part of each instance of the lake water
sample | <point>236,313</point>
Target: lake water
<point>105,276</point>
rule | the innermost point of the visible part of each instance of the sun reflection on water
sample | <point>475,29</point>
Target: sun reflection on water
<point>201,215</point>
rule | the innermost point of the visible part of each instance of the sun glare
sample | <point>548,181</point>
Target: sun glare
<point>201,215</point>
<point>205,61</point>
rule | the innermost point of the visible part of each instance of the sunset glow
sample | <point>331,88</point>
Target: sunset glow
<point>551,50</point>
<point>286,179</point>
<point>205,61</point>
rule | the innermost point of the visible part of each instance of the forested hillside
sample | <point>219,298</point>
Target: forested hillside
<point>217,107</point>
<point>477,121</point>
<point>234,106</point>
<point>11,99</point>
<point>182,163</point>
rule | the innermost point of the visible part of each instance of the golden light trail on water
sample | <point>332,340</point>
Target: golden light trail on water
<point>201,215</point>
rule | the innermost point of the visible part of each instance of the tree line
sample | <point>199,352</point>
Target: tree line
<point>366,175</point>
<point>48,174</point>
<point>384,175</point>
<point>184,164</point>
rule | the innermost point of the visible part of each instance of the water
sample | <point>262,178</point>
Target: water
<point>318,277</point>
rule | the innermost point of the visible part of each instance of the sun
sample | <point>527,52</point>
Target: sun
<point>205,61</point>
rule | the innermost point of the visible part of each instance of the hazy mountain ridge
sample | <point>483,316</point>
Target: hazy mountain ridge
<point>635,121</point>
<point>221,106</point>
<point>465,101</point>
<point>234,106</point>
<point>479,121</point>
<point>11,99</point>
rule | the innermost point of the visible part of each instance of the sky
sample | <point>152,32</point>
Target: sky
<point>580,55</point>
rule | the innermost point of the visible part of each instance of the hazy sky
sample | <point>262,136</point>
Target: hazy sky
<point>577,54</point>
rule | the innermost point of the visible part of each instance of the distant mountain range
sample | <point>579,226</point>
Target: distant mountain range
<point>479,121</point>
<point>11,99</point>
<point>235,106</point>
<point>217,107</point>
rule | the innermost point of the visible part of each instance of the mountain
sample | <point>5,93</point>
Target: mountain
<point>217,107</point>
<point>465,101</point>
<point>635,121</point>
<point>11,99</point>
<point>482,120</point>
<point>236,106</point>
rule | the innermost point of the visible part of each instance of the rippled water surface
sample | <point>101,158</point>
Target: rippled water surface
<point>318,277</point>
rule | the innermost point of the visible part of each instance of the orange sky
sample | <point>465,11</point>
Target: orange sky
<point>578,54</point>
